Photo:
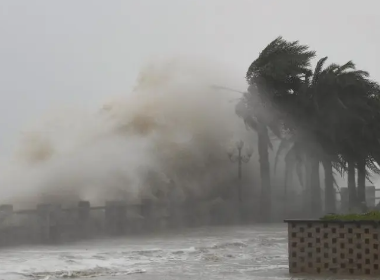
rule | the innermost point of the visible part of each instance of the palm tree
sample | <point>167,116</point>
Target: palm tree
<point>317,113</point>
<point>308,140</point>
<point>361,144</point>
<point>370,133</point>
<point>341,99</point>
<point>280,70</point>
<point>328,114</point>
<point>357,133</point>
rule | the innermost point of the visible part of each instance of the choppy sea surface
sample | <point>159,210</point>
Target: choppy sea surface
<point>247,252</point>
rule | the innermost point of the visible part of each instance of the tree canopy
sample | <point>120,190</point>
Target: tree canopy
<point>326,115</point>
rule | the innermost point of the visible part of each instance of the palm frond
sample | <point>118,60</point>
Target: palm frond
<point>279,61</point>
<point>318,70</point>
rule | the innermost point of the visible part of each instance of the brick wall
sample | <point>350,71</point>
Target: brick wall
<point>344,248</point>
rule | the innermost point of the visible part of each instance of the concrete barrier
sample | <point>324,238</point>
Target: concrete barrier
<point>115,216</point>
<point>334,247</point>
<point>48,223</point>
<point>49,219</point>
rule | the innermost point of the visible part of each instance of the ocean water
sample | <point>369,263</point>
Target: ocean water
<point>246,252</point>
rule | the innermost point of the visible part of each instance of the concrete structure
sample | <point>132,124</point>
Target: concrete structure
<point>49,223</point>
<point>50,217</point>
<point>334,247</point>
<point>115,216</point>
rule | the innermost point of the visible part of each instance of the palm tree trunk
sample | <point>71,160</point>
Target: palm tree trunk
<point>361,185</point>
<point>307,191</point>
<point>330,200</point>
<point>352,195</point>
<point>315,188</point>
<point>287,172</point>
<point>266,206</point>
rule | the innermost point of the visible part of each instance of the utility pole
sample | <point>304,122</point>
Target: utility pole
<point>239,159</point>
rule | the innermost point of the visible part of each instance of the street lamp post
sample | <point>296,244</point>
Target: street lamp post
<point>240,159</point>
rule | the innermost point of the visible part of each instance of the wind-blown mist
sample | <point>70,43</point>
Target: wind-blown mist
<point>171,132</point>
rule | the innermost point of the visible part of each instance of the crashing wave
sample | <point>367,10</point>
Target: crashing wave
<point>171,132</point>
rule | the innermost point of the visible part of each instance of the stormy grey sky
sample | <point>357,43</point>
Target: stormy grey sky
<point>79,52</point>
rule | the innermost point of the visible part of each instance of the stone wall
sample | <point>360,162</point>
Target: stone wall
<point>334,247</point>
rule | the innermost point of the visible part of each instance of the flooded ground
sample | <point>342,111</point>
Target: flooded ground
<point>251,252</point>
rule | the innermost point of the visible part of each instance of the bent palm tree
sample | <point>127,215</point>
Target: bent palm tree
<point>279,70</point>
<point>316,117</point>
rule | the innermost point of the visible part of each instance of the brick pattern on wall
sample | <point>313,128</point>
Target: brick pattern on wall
<point>334,248</point>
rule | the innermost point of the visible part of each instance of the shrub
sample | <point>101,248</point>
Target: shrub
<point>369,216</point>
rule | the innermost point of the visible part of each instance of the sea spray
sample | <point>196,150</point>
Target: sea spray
<point>172,130</point>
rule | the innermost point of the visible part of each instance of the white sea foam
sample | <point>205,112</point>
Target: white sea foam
<point>196,254</point>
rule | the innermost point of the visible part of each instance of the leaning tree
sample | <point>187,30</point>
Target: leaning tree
<point>280,69</point>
